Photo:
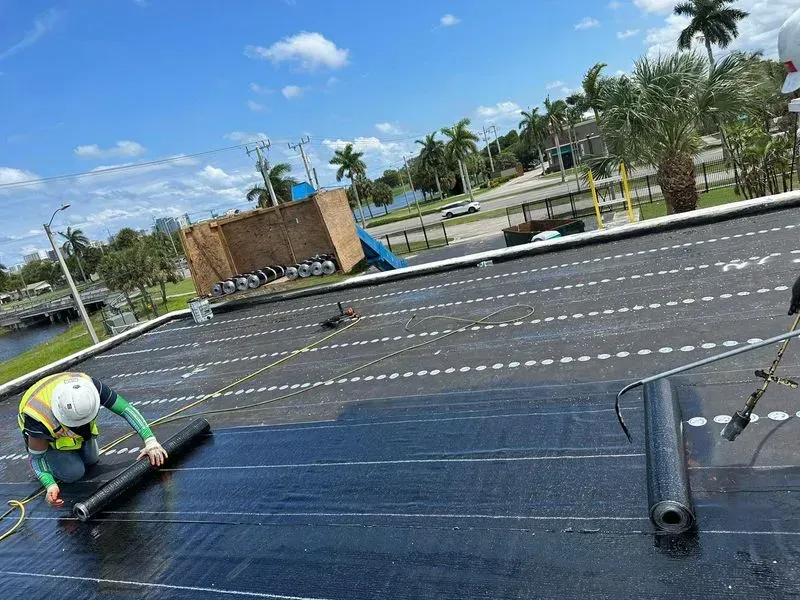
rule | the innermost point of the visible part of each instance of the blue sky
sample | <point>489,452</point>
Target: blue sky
<point>91,84</point>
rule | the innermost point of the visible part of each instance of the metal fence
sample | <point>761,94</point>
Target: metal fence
<point>417,240</point>
<point>644,189</point>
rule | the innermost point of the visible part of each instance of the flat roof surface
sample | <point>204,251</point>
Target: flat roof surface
<point>488,464</point>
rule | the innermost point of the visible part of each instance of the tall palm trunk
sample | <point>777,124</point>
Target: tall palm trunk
<point>710,53</point>
<point>358,201</point>
<point>438,185</point>
<point>465,180</point>
<point>560,158</point>
<point>80,266</point>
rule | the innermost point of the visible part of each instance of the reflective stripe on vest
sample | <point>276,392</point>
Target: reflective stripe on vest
<point>36,403</point>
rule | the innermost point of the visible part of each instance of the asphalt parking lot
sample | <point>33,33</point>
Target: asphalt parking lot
<point>485,464</point>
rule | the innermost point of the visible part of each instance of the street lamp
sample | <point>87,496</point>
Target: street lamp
<point>73,289</point>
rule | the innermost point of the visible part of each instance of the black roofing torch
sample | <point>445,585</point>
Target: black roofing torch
<point>741,418</point>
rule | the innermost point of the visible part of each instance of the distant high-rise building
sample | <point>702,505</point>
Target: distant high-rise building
<point>51,255</point>
<point>171,224</point>
<point>97,243</point>
<point>34,256</point>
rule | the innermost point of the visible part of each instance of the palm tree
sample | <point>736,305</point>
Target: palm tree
<point>654,117</point>
<point>715,20</point>
<point>75,243</point>
<point>460,145</point>
<point>350,166</point>
<point>555,115</point>
<point>592,83</point>
<point>432,157</point>
<point>534,131</point>
<point>281,185</point>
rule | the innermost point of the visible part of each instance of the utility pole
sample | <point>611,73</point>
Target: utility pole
<point>300,144</point>
<point>70,282</point>
<point>316,179</point>
<point>489,150</point>
<point>262,166</point>
<point>414,194</point>
<point>496,138</point>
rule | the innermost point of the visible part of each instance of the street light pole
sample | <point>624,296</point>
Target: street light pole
<point>70,282</point>
<point>413,193</point>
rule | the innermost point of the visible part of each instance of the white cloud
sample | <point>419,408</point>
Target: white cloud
<point>256,106</point>
<point>310,50</point>
<point>628,33</point>
<point>759,31</point>
<point>587,23</point>
<point>9,175</point>
<point>257,89</point>
<point>121,148</point>
<point>388,128</point>
<point>502,111</point>
<point>219,177</point>
<point>614,5</point>
<point>245,137</point>
<point>554,84</point>
<point>655,6</point>
<point>292,91</point>
<point>449,20</point>
<point>378,155</point>
<point>43,24</point>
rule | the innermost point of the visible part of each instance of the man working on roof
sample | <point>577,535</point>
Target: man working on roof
<point>58,416</point>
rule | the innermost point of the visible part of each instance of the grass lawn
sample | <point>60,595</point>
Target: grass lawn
<point>707,200</point>
<point>567,172</point>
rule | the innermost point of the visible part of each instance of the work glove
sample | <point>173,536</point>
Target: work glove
<point>53,492</point>
<point>154,452</point>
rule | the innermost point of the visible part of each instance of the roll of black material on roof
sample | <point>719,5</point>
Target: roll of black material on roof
<point>138,471</point>
<point>668,492</point>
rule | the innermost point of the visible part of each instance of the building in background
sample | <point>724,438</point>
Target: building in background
<point>171,224</point>
<point>587,142</point>
<point>97,244</point>
<point>16,268</point>
<point>51,255</point>
<point>34,256</point>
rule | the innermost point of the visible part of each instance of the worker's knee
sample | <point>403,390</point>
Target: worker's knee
<point>66,466</point>
<point>90,453</point>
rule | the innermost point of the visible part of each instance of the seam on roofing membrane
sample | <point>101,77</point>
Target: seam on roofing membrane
<point>163,586</point>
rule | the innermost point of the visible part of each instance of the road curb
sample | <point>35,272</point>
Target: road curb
<point>20,383</point>
<point>671,222</point>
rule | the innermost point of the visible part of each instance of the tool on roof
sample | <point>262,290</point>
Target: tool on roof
<point>741,418</point>
<point>345,316</point>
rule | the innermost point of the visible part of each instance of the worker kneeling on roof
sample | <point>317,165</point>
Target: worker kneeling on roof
<point>58,418</point>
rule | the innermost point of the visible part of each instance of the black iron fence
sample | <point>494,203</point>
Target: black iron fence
<point>417,239</point>
<point>644,189</point>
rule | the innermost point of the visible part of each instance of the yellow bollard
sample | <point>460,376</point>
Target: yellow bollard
<point>624,173</point>
<point>594,199</point>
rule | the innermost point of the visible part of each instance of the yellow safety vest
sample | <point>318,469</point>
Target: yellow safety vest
<point>36,403</point>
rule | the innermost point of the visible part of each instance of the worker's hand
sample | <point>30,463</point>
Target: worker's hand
<point>53,492</point>
<point>154,452</point>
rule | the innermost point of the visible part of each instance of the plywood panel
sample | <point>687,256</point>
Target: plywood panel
<point>257,240</point>
<point>207,254</point>
<point>341,227</point>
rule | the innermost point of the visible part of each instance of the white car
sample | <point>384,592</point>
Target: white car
<point>460,208</point>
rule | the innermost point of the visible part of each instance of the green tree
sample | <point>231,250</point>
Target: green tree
<point>391,178</point>
<point>382,195</point>
<point>350,166</point>
<point>461,143</point>
<point>555,117</point>
<point>432,157</point>
<point>133,268</point>
<point>75,243</point>
<point>534,131</point>
<point>654,117</point>
<point>125,238</point>
<point>164,270</point>
<point>592,84</point>
<point>715,20</point>
<point>281,184</point>
<point>505,160</point>
<point>42,270</point>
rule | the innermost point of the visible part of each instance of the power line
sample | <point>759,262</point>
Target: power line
<point>119,168</point>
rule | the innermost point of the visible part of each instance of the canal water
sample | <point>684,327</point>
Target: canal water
<point>17,342</point>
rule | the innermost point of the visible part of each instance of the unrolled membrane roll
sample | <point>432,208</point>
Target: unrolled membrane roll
<point>136,473</point>
<point>668,490</point>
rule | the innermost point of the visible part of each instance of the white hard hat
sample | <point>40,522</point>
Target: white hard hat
<point>75,401</point>
<point>789,51</point>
